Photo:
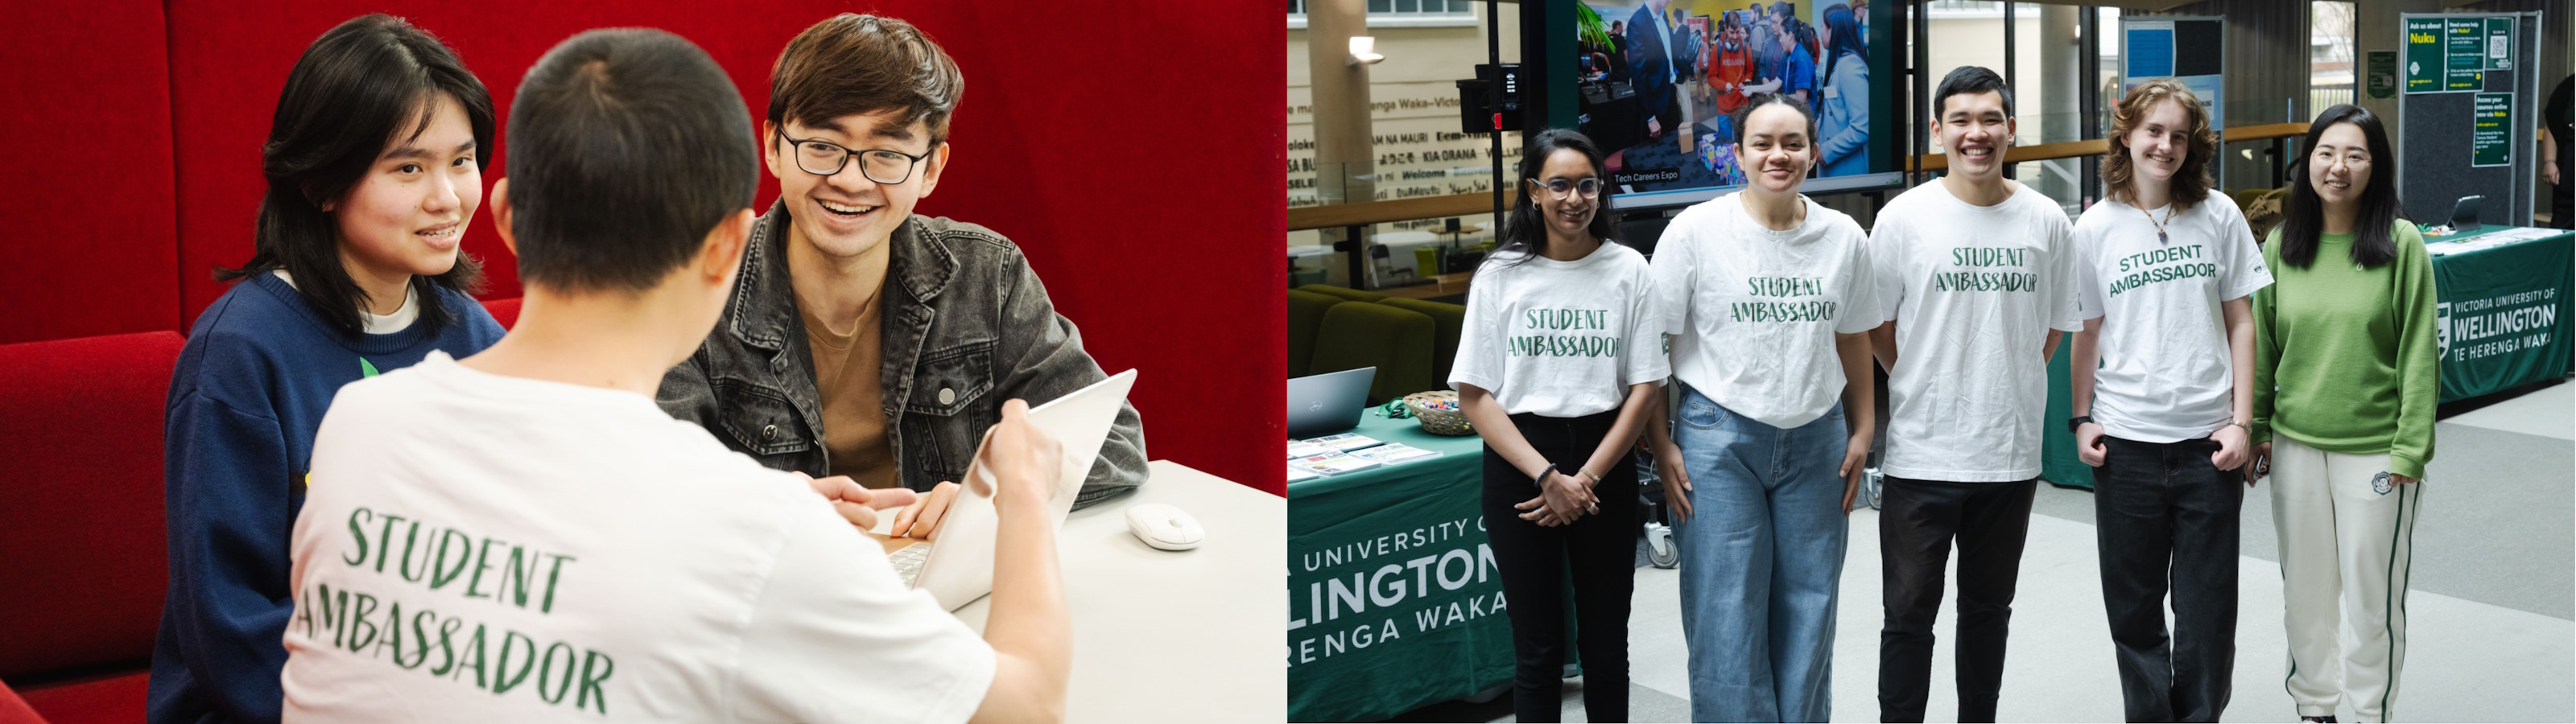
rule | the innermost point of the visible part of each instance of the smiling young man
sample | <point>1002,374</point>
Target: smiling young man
<point>1976,276</point>
<point>865,341</point>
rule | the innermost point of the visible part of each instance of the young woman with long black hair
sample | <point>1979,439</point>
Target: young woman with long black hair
<point>374,162</point>
<point>2346,374</point>
<point>1559,360</point>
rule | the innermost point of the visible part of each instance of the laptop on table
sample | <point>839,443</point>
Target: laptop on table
<point>1327,403</point>
<point>957,569</point>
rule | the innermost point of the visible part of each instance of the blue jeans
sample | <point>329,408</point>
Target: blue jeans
<point>1762,562</point>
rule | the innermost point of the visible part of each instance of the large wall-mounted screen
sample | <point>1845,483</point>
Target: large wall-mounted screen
<point>1659,79</point>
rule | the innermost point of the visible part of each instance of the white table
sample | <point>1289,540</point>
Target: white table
<point>1186,636</point>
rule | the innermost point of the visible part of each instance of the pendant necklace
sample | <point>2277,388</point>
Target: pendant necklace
<point>2160,225</point>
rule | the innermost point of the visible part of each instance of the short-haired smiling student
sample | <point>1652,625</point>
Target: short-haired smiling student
<point>1560,360</point>
<point>2346,375</point>
<point>2164,271</point>
<point>626,565</point>
<point>867,341</point>
<point>374,164</point>
<point>1977,277</point>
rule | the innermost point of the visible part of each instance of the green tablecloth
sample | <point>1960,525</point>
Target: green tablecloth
<point>2501,312</point>
<point>1391,589</point>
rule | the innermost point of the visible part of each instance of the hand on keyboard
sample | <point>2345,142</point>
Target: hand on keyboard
<point>854,502</point>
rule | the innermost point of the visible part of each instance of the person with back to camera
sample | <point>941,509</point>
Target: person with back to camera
<point>1559,360</point>
<point>374,163</point>
<point>2163,386</point>
<point>2347,372</point>
<point>1769,298</point>
<point>522,535</point>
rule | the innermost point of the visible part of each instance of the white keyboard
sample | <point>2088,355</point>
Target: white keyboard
<point>907,562</point>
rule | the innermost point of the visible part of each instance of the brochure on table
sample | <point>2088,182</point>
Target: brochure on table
<point>1347,453</point>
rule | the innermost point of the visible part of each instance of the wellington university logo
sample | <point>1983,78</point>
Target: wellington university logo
<point>2474,329</point>
<point>2442,327</point>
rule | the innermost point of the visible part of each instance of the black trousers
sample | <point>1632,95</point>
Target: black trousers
<point>1600,550</point>
<point>1917,520</point>
<point>2166,514</point>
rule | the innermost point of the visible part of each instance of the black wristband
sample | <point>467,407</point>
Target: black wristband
<point>1541,480</point>
<point>2078,422</point>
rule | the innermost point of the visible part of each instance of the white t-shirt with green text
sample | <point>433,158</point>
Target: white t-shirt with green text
<point>1561,338</point>
<point>478,547</point>
<point>1753,312</point>
<point>2165,374</point>
<point>1974,291</point>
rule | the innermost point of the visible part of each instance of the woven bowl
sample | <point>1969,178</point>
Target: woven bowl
<point>1451,422</point>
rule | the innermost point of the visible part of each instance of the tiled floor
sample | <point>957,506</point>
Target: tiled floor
<point>2491,637</point>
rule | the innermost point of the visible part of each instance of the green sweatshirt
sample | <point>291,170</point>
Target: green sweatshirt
<point>2345,359</point>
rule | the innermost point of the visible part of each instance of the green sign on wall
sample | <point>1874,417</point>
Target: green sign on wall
<point>2465,41</point>
<point>2499,43</point>
<point>2491,130</point>
<point>2424,57</point>
<point>2383,73</point>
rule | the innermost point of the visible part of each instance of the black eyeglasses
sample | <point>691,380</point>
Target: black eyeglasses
<point>824,158</point>
<point>1589,187</point>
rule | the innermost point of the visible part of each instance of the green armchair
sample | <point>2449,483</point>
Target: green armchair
<point>1305,320</point>
<point>1396,341</point>
<point>1446,318</point>
<point>1355,295</point>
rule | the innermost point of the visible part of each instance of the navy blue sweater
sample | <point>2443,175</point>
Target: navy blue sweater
<point>259,370</point>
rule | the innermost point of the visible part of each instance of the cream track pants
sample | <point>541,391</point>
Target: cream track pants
<point>2345,534</point>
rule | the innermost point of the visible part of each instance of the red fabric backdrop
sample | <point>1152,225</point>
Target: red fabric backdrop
<point>1131,148</point>
<point>87,249</point>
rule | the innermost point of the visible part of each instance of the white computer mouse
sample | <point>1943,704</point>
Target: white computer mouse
<point>1163,526</point>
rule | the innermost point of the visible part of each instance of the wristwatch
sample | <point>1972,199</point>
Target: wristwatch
<point>2078,422</point>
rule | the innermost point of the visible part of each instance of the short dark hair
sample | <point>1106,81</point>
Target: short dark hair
<point>1969,80</point>
<point>369,82</point>
<point>627,146</point>
<point>2373,232</point>
<point>851,64</point>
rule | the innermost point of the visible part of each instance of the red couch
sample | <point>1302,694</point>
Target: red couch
<point>1148,201</point>
<point>85,562</point>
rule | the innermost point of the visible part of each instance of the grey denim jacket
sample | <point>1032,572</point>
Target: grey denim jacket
<point>967,325</point>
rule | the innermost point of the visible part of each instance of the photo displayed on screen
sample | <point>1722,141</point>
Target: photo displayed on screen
<point>1660,80</point>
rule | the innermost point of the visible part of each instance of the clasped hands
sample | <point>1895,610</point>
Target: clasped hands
<point>1561,500</point>
<point>858,504</point>
<point>1015,449</point>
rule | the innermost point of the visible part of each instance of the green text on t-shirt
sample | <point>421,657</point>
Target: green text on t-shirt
<point>1564,345</point>
<point>2161,265</point>
<point>1971,280</point>
<point>507,574</point>
<point>1767,311</point>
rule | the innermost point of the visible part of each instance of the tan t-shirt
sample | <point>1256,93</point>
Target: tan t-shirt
<point>846,364</point>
